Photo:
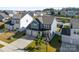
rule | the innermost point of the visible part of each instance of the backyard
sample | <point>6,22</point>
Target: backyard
<point>7,37</point>
<point>43,47</point>
<point>65,20</point>
<point>56,42</point>
<point>66,27</point>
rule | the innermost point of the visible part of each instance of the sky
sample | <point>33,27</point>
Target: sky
<point>26,8</point>
<point>37,4</point>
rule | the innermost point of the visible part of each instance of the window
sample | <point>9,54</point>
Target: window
<point>76,32</point>
<point>34,25</point>
<point>26,20</point>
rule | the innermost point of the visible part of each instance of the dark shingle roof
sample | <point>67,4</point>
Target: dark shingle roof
<point>4,15</point>
<point>1,17</point>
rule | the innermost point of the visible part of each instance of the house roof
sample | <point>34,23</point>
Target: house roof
<point>1,17</point>
<point>31,13</point>
<point>46,19</point>
<point>19,15</point>
<point>75,23</point>
<point>9,11</point>
<point>4,15</point>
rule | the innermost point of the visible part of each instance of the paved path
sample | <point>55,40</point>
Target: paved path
<point>18,44</point>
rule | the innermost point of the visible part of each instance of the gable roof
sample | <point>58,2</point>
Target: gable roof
<point>19,15</point>
<point>1,17</point>
<point>4,15</point>
<point>46,19</point>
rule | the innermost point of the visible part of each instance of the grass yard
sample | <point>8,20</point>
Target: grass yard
<point>64,19</point>
<point>1,45</point>
<point>31,48</point>
<point>56,42</point>
<point>66,27</point>
<point>7,37</point>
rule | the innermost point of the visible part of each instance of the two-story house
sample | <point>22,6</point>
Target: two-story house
<point>18,21</point>
<point>40,24</point>
<point>69,11</point>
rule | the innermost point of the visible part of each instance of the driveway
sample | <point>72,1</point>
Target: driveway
<point>17,45</point>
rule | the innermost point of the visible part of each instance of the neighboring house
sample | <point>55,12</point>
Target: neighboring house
<point>39,13</point>
<point>18,21</point>
<point>10,12</point>
<point>59,23</point>
<point>71,37</point>
<point>3,17</point>
<point>69,11</point>
<point>72,33</point>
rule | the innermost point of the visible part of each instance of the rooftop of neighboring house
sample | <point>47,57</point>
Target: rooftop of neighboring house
<point>3,15</point>
<point>16,14</point>
<point>70,9</point>
<point>8,12</point>
<point>31,13</point>
<point>63,19</point>
<point>45,19</point>
<point>75,23</point>
<point>19,15</point>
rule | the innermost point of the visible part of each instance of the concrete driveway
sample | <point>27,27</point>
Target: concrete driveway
<point>18,44</point>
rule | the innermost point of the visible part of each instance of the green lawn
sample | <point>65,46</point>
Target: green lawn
<point>66,27</point>
<point>56,42</point>
<point>31,48</point>
<point>65,20</point>
<point>76,17</point>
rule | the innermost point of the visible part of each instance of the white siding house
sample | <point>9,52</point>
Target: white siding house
<point>16,24</point>
<point>25,21</point>
<point>54,25</point>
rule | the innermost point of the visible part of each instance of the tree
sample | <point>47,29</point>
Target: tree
<point>50,10</point>
<point>39,40</point>
<point>59,13</point>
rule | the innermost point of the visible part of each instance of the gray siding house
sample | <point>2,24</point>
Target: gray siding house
<point>40,24</point>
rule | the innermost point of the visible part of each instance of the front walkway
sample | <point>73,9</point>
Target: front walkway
<point>18,44</point>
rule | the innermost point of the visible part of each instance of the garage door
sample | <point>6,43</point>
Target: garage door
<point>34,33</point>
